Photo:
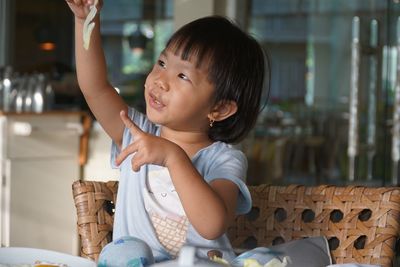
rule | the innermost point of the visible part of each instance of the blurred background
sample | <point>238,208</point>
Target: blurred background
<point>331,112</point>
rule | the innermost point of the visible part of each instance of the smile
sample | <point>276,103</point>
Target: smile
<point>155,102</point>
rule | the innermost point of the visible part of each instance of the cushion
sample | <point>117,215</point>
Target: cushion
<point>307,252</point>
<point>353,265</point>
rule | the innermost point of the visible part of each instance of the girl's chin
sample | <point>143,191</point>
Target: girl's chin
<point>152,117</point>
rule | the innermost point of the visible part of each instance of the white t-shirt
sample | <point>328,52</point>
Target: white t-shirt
<point>165,209</point>
<point>219,160</point>
<point>160,195</point>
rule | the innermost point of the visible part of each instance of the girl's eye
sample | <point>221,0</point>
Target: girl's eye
<point>183,76</point>
<point>161,63</point>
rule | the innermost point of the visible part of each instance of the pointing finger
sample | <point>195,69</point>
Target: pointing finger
<point>131,149</point>
<point>133,128</point>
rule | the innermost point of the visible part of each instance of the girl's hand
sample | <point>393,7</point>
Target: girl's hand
<point>147,148</point>
<point>80,8</point>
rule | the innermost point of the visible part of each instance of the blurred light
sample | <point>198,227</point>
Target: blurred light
<point>7,82</point>
<point>46,37</point>
<point>137,50</point>
<point>48,46</point>
<point>137,41</point>
<point>38,98</point>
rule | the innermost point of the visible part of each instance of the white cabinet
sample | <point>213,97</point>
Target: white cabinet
<point>39,156</point>
<point>98,166</point>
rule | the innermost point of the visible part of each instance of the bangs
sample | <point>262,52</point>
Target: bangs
<point>190,47</point>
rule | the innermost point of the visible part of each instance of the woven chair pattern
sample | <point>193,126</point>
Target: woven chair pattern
<point>95,215</point>
<point>361,224</point>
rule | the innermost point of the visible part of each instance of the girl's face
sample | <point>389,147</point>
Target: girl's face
<point>178,95</point>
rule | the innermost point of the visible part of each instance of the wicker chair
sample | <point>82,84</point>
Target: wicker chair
<point>360,223</point>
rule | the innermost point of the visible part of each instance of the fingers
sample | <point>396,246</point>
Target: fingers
<point>137,159</point>
<point>82,2</point>
<point>137,162</point>
<point>131,149</point>
<point>70,2</point>
<point>140,157</point>
<point>133,128</point>
<point>76,2</point>
<point>100,3</point>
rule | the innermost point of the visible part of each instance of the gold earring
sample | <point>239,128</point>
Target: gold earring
<point>212,122</point>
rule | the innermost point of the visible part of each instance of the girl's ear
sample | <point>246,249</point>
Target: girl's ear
<point>223,110</point>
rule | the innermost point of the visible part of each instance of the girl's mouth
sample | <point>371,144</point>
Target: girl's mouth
<point>155,102</point>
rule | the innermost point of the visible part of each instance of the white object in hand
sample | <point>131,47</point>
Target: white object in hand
<point>88,25</point>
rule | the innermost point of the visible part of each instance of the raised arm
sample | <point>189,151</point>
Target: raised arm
<point>102,98</point>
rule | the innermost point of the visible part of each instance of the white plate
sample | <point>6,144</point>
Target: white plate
<point>15,255</point>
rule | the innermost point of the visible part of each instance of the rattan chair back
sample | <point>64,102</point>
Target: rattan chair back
<point>94,202</point>
<point>360,223</point>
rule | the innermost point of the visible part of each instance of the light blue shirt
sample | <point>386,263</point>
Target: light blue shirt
<point>219,160</point>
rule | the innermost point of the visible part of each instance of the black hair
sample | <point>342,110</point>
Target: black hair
<point>236,69</point>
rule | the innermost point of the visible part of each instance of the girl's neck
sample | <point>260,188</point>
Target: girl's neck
<point>190,142</point>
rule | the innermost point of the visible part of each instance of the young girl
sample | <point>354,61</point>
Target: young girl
<point>181,181</point>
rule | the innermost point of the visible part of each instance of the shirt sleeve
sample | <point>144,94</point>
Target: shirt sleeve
<point>231,164</point>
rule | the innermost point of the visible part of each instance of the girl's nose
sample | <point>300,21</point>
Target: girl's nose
<point>161,84</point>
